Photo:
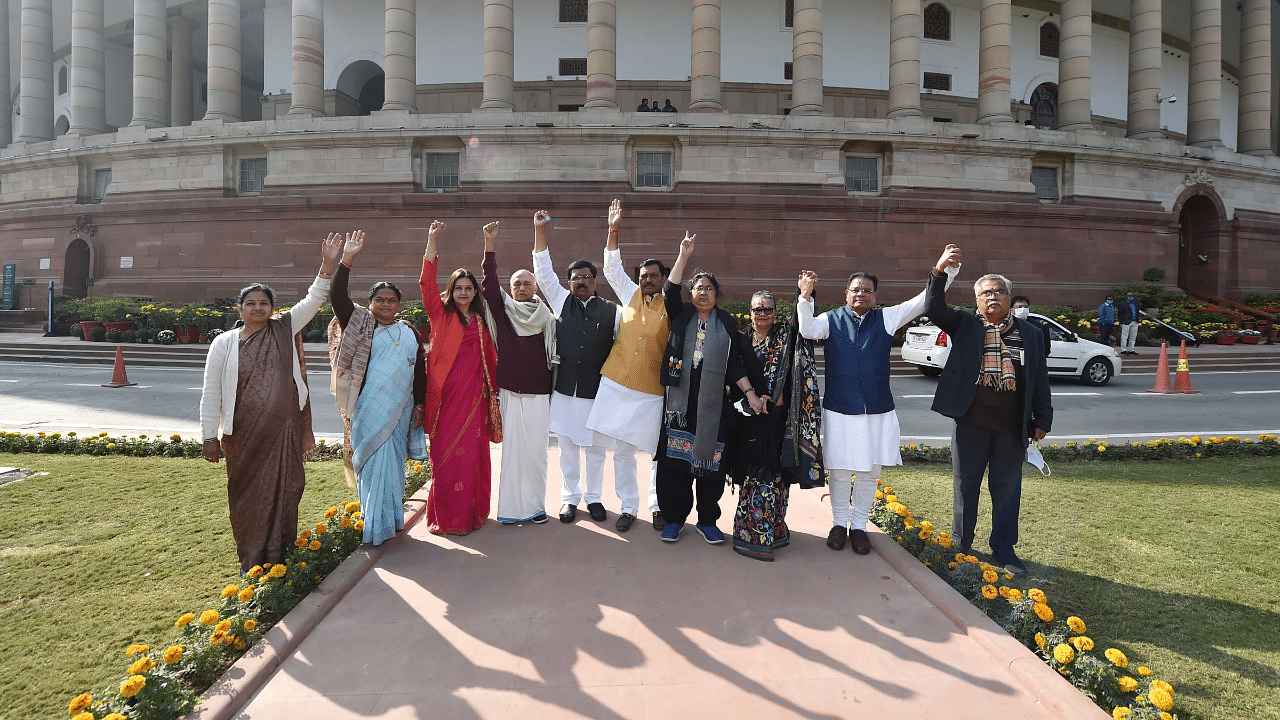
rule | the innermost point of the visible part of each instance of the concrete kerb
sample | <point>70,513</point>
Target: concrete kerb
<point>237,685</point>
<point>1043,683</point>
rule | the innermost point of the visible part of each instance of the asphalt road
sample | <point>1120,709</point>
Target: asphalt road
<point>58,397</point>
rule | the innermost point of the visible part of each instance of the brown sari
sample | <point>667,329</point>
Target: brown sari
<point>265,477</point>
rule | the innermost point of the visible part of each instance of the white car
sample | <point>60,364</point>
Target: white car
<point>927,347</point>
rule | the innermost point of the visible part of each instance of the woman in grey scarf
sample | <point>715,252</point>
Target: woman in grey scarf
<point>705,355</point>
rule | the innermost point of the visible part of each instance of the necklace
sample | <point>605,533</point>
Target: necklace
<point>397,326</point>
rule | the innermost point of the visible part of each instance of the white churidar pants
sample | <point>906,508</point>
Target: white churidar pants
<point>863,492</point>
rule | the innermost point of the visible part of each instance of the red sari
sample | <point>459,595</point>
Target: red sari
<point>458,501</point>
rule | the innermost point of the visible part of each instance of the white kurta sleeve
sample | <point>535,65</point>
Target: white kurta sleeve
<point>898,315</point>
<point>813,328</point>
<point>545,274</point>
<point>616,274</point>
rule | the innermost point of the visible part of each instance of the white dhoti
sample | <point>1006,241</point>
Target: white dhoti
<point>857,445</point>
<point>522,484</point>
<point>632,419</point>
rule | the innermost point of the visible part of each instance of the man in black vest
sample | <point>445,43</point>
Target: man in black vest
<point>995,386</point>
<point>586,325</point>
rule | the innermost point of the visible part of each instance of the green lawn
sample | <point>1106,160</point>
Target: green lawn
<point>1175,563</point>
<point>104,551</point>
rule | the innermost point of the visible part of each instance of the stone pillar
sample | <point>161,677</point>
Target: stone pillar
<point>704,60</point>
<point>222,96</point>
<point>88,63</point>
<point>1204,83</point>
<point>905,30</point>
<point>1075,66</point>
<point>308,58</point>
<point>1145,54</point>
<point>150,64</point>
<point>1254,134</point>
<point>6,102</point>
<point>806,58</point>
<point>180,72</point>
<point>602,54</point>
<point>36,67</point>
<point>500,56</point>
<point>400,52</point>
<point>994,58</point>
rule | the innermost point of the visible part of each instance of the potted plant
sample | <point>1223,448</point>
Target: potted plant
<point>98,333</point>
<point>1250,337</point>
<point>1226,337</point>
<point>115,334</point>
<point>77,331</point>
<point>166,337</point>
<point>114,312</point>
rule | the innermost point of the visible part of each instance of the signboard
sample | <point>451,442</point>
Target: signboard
<point>44,263</point>
<point>10,273</point>
<point>126,262</point>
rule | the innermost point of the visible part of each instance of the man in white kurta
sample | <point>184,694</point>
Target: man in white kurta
<point>628,405</point>
<point>860,426</point>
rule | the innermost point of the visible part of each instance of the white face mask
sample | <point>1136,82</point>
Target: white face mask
<point>1036,459</point>
<point>1021,312</point>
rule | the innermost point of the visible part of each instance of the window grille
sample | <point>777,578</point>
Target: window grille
<point>861,174</point>
<point>653,169</point>
<point>1046,181</point>
<point>101,179</point>
<point>573,66</point>
<point>441,170</point>
<point>1049,36</point>
<point>789,13</point>
<point>937,81</point>
<point>937,22</point>
<point>786,71</point>
<point>573,11</point>
<point>253,173</point>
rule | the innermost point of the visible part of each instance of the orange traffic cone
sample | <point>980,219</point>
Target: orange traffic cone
<point>119,378</point>
<point>1182,381</point>
<point>1162,372</point>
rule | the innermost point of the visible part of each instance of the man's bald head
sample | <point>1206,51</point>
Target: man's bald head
<point>523,286</point>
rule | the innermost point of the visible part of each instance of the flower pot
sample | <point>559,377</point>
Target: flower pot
<point>118,325</point>
<point>1250,339</point>
<point>1227,340</point>
<point>186,333</point>
<point>87,325</point>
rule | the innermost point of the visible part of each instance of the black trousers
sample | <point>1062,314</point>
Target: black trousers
<point>1104,333</point>
<point>677,486</point>
<point>976,450</point>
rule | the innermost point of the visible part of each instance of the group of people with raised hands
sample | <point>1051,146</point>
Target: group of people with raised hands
<point>665,373</point>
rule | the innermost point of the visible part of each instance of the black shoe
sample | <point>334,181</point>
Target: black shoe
<point>861,543</point>
<point>836,538</point>
<point>540,518</point>
<point>597,511</point>
<point>1011,564</point>
<point>658,522</point>
<point>568,513</point>
<point>624,522</point>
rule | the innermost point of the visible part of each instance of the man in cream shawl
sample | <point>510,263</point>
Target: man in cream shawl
<point>526,338</point>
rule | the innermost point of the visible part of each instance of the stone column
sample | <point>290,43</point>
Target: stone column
<point>400,50</point>
<point>308,58</point>
<point>150,64</point>
<point>806,58</point>
<point>500,56</point>
<point>222,97</point>
<point>602,54</point>
<point>994,58</point>
<point>1075,66</point>
<point>1145,53</point>
<point>1204,83</point>
<point>180,72</point>
<point>905,30</point>
<point>88,63</point>
<point>6,102</point>
<point>704,61</point>
<point>1254,134</point>
<point>36,67</point>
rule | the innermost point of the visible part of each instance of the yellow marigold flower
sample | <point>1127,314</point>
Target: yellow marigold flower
<point>1004,591</point>
<point>972,560</point>
<point>133,685</point>
<point>1038,595</point>
<point>1040,640</point>
<point>184,620</point>
<point>898,509</point>
<point>209,617</point>
<point>299,542</point>
<point>1144,671</point>
<point>989,592</point>
<point>142,666</point>
<point>909,523</point>
<point>1162,685</point>
<point>241,644</point>
<point>1161,699</point>
<point>306,535</point>
<point>1083,643</point>
<point>990,576</point>
<point>137,649</point>
<point>314,545</point>
<point>1165,716</point>
<point>175,437</point>
<point>1044,612</point>
<point>1008,576</point>
<point>357,515</point>
<point>255,571</point>
<point>111,446</point>
<point>223,626</point>
<point>353,506</point>
<point>1141,699</point>
<point>960,557</point>
<point>331,512</point>
<point>302,564</point>
<point>1120,713</point>
<point>79,703</point>
<point>879,495</point>
<point>320,528</point>
<point>83,716</point>
<point>249,625</point>
<point>346,522</point>
<point>278,571</point>
<point>417,468</point>
<point>102,434</point>
<point>1064,654</point>
<point>114,716</point>
<point>924,534</point>
<point>230,590</point>
<point>891,498</point>
<point>246,594</point>
<point>1102,448</point>
<point>1127,683</point>
<point>1076,624</point>
<point>360,525</point>
<point>1116,657</point>
<point>173,654</point>
<point>926,525</point>
<point>1015,595</point>
<point>217,638</point>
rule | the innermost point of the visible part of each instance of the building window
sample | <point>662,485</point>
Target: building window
<point>441,170</point>
<point>1046,181</point>
<point>573,11</point>
<point>786,71</point>
<point>937,81</point>
<point>1044,106</point>
<point>788,13</point>
<point>937,22</point>
<point>101,179</point>
<point>861,174</point>
<point>573,66</point>
<point>653,169</point>
<point>62,80</point>
<point>1049,36</point>
<point>253,172</point>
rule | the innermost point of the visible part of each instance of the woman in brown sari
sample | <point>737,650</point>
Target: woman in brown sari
<point>255,387</point>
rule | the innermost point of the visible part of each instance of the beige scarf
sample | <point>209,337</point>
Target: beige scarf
<point>533,317</point>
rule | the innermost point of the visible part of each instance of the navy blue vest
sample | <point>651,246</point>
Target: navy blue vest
<point>857,357</point>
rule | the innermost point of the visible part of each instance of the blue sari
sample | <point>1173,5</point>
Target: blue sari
<point>380,434</point>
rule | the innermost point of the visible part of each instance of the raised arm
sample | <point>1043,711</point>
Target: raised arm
<point>623,286</point>
<point>339,296</point>
<point>898,315</point>
<point>543,271</point>
<point>811,327</point>
<point>935,294</point>
<point>301,313</point>
<point>682,260</point>
<point>490,285</point>
<point>428,281</point>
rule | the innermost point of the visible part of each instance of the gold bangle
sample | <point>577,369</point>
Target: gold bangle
<point>324,275</point>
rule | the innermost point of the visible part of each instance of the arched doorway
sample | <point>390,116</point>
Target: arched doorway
<point>1201,258</point>
<point>1044,106</point>
<point>75,269</point>
<point>363,83</point>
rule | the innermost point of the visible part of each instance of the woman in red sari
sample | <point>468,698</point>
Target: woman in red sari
<point>462,366</point>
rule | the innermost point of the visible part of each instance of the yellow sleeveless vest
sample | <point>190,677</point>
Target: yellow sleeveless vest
<point>636,356</point>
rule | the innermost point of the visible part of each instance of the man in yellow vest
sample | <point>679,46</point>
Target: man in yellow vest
<point>628,405</point>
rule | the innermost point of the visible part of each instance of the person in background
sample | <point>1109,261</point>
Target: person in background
<point>1127,315</point>
<point>1022,310</point>
<point>669,107</point>
<point>1106,320</point>
<point>644,105</point>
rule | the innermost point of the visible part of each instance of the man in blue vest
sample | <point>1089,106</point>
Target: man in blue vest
<point>859,424</point>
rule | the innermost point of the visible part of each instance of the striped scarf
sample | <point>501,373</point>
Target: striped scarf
<point>997,360</point>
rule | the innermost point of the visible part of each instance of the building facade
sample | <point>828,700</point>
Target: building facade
<point>179,150</point>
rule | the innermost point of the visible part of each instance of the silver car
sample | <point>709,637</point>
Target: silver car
<point>927,347</point>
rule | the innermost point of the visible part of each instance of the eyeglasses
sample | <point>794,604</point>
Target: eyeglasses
<point>761,311</point>
<point>576,278</point>
<point>862,291</point>
<point>703,289</point>
<point>991,294</point>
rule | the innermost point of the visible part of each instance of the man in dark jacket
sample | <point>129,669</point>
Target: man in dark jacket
<point>1127,317</point>
<point>995,386</point>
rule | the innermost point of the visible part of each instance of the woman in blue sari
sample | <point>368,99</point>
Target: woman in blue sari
<point>379,380</point>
